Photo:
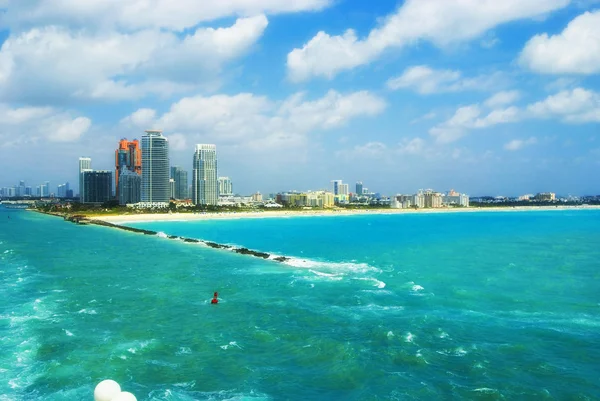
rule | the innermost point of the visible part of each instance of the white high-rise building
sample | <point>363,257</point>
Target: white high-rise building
<point>225,186</point>
<point>156,189</point>
<point>205,189</point>
<point>85,164</point>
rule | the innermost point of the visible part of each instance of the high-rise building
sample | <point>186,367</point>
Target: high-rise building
<point>97,186</point>
<point>225,186</point>
<point>155,168</point>
<point>171,188</point>
<point>181,182</point>
<point>205,189</point>
<point>336,186</point>
<point>130,184</point>
<point>128,156</point>
<point>359,188</point>
<point>85,164</point>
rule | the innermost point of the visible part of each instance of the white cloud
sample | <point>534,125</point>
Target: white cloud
<point>471,117</point>
<point>67,64</point>
<point>133,15</point>
<point>141,118</point>
<point>426,80</point>
<point>518,144</point>
<point>257,121</point>
<point>576,50</point>
<point>574,106</point>
<point>455,128</point>
<point>442,22</point>
<point>413,146</point>
<point>27,124</point>
<point>66,130</point>
<point>503,98</point>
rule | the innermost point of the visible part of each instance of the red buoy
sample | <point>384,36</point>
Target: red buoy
<point>215,300</point>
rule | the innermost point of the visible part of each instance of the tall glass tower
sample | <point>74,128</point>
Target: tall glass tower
<point>155,167</point>
<point>205,187</point>
<point>85,164</point>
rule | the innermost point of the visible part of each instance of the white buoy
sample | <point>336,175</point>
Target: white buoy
<point>124,396</point>
<point>106,390</point>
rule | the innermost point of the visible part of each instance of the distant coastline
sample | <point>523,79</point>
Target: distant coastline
<point>160,217</point>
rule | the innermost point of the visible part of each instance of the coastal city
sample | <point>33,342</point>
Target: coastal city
<point>144,179</point>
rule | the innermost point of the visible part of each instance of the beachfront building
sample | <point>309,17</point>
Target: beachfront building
<point>320,199</point>
<point>97,186</point>
<point>340,191</point>
<point>205,190</point>
<point>545,197</point>
<point>155,169</point>
<point>402,201</point>
<point>130,187</point>
<point>431,199</point>
<point>257,197</point>
<point>225,186</point>
<point>180,178</point>
<point>128,156</point>
<point>85,164</point>
<point>453,198</point>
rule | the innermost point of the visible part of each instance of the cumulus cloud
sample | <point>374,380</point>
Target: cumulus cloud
<point>518,144</point>
<point>133,15</point>
<point>31,124</point>
<point>425,80</point>
<point>107,65</point>
<point>259,122</point>
<point>326,55</point>
<point>575,106</point>
<point>576,50</point>
<point>503,98</point>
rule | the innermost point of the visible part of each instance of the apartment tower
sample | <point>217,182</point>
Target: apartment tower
<point>205,189</point>
<point>155,168</point>
<point>128,156</point>
<point>85,164</point>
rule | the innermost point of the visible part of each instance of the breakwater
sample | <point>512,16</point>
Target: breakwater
<point>84,220</point>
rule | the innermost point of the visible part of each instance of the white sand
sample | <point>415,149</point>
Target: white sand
<point>130,218</point>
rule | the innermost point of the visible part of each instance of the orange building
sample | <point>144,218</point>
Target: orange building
<point>127,156</point>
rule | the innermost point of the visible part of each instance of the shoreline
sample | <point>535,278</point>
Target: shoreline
<point>184,217</point>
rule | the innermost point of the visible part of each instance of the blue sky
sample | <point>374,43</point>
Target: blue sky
<point>486,97</point>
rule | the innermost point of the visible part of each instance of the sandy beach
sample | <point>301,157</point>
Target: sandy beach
<point>131,218</point>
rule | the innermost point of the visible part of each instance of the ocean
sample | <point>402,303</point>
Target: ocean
<point>440,306</point>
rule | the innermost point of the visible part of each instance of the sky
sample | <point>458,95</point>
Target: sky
<point>485,97</point>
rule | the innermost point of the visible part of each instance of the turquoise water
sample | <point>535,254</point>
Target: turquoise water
<point>463,306</point>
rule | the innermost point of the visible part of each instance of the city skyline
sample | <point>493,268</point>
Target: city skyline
<point>492,100</point>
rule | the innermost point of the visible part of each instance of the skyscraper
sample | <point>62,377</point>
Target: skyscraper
<point>359,188</point>
<point>85,164</point>
<point>204,184</point>
<point>180,176</point>
<point>155,168</point>
<point>129,187</point>
<point>225,186</point>
<point>128,156</point>
<point>97,186</point>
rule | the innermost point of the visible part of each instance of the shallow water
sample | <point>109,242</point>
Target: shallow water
<point>428,306</point>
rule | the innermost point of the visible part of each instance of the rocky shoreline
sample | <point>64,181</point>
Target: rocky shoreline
<point>84,220</point>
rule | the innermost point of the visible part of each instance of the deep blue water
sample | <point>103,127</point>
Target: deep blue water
<point>497,305</point>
